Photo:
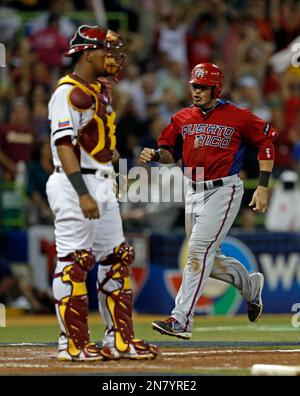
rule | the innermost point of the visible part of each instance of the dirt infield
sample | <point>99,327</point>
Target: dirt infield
<point>37,360</point>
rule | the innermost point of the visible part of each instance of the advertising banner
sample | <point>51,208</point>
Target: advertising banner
<point>276,255</point>
<point>160,259</point>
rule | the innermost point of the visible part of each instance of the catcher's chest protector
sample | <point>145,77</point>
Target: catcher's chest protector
<point>97,136</point>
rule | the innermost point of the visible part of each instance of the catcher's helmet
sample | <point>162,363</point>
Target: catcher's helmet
<point>92,37</point>
<point>208,74</point>
<point>86,37</point>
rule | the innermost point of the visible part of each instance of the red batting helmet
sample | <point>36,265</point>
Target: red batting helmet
<point>92,37</point>
<point>208,74</point>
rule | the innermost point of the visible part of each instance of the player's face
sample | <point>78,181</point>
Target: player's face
<point>97,57</point>
<point>106,63</point>
<point>201,94</point>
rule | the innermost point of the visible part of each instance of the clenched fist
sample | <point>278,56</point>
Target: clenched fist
<point>147,154</point>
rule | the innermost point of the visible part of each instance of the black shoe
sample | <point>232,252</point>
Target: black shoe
<point>255,306</point>
<point>171,327</point>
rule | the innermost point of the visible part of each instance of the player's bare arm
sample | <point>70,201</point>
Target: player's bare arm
<point>71,167</point>
<point>260,197</point>
<point>162,155</point>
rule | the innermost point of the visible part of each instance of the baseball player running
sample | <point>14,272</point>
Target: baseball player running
<point>88,225</point>
<point>211,134</point>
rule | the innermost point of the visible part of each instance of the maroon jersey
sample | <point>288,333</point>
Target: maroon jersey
<point>217,140</point>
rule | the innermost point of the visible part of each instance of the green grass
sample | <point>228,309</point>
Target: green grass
<point>34,333</point>
<point>270,328</point>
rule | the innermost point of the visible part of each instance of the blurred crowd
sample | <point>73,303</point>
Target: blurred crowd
<point>250,40</point>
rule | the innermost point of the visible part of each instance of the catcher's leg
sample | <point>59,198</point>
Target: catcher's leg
<point>69,288</point>
<point>115,303</point>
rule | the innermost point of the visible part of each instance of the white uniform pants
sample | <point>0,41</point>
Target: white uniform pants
<point>209,216</point>
<point>73,231</point>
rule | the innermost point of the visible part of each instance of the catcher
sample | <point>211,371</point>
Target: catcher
<point>88,225</point>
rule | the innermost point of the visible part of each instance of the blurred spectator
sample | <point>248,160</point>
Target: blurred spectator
<point>144,90</point>
<point>5,87</point>
<point>153,112</point>
<point>135,43</point>
<point>170,104</point>
<point>130,87</point>
<point>231,41</point>
<point>147,23</point>
<point>19,293</point>
<point>19,66</point>
<point>258,10</point>
<point>128,10</point>
<point>58,8</point>
<point>39,169</point>
<point>30,5</point>
<point>171,36</point>
<point>290,94</point>
<point>155,125</point>
<point>128,131</point>
<point>40,74</point>
<point>39,110</point>
<point>249,96</point>
<point>248,219</point>
<point>285,22</point>
<point>49,44</point>
<point>252,52</point>
<point>291,80</point>
<point>294,137</point>
<point>296,157</point>
<point>271,85</point>
<point>284,210</point>
<point>201,40</point>
<point>9,22</point>
<point>16,138</point>
<point>172,79</point>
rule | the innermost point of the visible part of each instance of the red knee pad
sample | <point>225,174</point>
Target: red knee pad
<point>123,253</point>
<point>85,259</point>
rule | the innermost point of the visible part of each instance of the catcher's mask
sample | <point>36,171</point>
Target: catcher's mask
<point>92,37</point>
<point>208,74</point>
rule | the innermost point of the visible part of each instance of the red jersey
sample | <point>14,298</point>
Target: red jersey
<point>16,142</point>
<point>50,46</point>
<point>216,141</point>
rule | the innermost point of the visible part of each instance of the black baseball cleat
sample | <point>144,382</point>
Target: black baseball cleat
<point>171,327</point>
<point>255,306</point>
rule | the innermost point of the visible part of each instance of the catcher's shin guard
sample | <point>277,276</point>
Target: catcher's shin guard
<point>118,295</point>
<point>115,299</point>
<point>72,308</point>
